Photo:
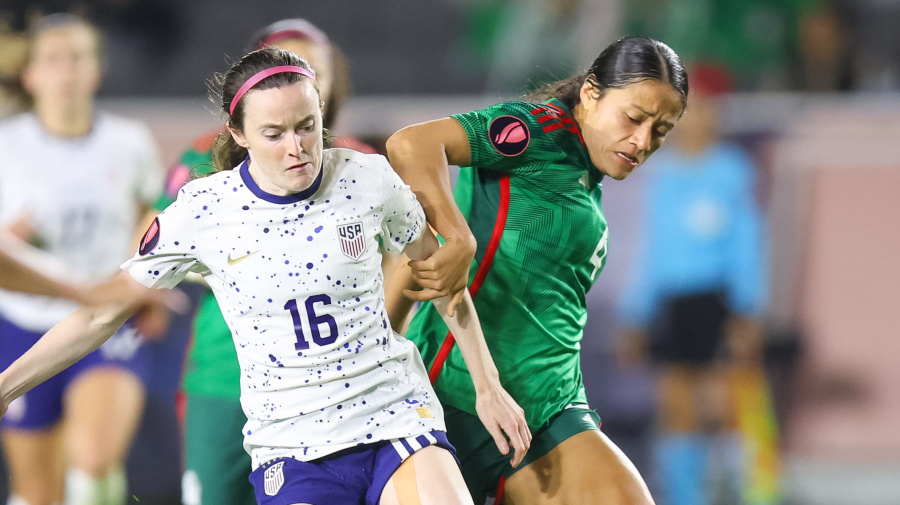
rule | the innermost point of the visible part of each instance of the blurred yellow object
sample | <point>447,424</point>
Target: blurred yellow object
<point>759,430</point>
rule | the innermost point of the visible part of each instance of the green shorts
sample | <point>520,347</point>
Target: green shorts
<point>217,467</point>
<point>481,462</point>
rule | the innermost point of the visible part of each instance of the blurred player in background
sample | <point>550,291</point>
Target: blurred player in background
<point>216,462</point>
<point>73,182</point>
<point>694,304</point>
<point>532,198</point>
<point>339,408</point>
<point>16,275</point>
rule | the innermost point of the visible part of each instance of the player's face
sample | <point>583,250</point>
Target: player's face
<point>623,127</point>
<point>64,67</point>
<point>317,57</point>
<point>283,133</point>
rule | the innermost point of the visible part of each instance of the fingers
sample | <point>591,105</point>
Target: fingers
<point>422,265</point>
<point>434,284</point>
<point>520,442</point>
<point>423,295</point>
<point>455,301</point>
<point>499,439</point>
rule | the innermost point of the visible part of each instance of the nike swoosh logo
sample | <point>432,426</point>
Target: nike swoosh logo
<point>235,261</point>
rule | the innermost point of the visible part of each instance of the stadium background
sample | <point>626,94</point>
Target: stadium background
<point>816,104</point>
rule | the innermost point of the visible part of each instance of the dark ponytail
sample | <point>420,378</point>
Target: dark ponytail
<point>625,61</point>
<point>227,154</point>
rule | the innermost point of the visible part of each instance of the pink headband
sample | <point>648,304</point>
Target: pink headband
<point>253,81</point>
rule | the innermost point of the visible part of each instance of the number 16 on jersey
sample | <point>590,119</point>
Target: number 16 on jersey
<point>313,322</point>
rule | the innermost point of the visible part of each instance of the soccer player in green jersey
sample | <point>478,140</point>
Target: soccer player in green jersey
<point>216,463</point>
<point>524,228</point>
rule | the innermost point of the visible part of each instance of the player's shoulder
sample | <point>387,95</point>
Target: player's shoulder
<point>208,188</point>
<point>364,165</point>
<point>344,156</point>
<point>123,130</point>
<point>511,107</point>
<point>506,121</point>
<point>15,121</point>
<point>13,127</point>
<point>120,124</point>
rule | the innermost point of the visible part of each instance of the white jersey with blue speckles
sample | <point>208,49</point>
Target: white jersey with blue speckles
<point>300,284</point>
<point>82,197</point>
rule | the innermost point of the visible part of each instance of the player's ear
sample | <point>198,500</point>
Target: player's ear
<point>589,91</point>
<point>237,135</point>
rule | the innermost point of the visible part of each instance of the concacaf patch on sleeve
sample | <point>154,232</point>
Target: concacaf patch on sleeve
<point>509,135</point>
<point>151,238</point>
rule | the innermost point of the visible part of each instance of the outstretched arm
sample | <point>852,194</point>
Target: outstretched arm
<point>67,342</point>
<point>496,408</point>
<point>15,276</point>
<point>421,155</point>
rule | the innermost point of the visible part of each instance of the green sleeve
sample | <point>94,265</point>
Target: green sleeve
<point>508,137</point>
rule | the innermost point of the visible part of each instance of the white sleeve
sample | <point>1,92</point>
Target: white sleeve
<point>402,218</point>
<point>150,171</point>
<point>168,250</point>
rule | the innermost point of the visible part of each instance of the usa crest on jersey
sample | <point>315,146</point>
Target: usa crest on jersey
<point>353,240</point>
<point>274,478</point>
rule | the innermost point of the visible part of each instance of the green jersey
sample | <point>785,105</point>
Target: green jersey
<point>532,199</point>
<point>212,367</point>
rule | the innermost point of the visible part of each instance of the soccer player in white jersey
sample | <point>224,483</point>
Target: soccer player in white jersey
<point>73,182</point>
<point>339,408</point>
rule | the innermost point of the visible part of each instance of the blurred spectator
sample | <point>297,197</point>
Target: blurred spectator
<point>694,302</point>
<point>73,182</point>
<point>825,51</point>
<point>13,47</point>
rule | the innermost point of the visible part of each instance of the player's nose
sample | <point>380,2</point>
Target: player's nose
<point>294,146</point>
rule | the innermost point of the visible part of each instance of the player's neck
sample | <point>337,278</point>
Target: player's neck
<point>578,114</point>
<point>74,120</point>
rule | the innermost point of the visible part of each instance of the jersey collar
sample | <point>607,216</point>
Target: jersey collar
<point>595,176</point>
<point>269,197</point>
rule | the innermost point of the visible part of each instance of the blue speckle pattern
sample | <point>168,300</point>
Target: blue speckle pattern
<point>320,368</point>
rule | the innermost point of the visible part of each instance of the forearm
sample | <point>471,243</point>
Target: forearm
<point>67,342</point>
<point>396,303</point>
<point>18,277</point>
<point>422,160</point>
<point>466,328</point>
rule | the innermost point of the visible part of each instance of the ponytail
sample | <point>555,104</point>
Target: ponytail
<point>227,154</point>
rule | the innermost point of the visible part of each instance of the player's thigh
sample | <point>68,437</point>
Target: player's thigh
<point>103,408</point>
<point>428,477</point>
<point>585,468</point>
<point>35,464</point>
<point>216,465</point>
